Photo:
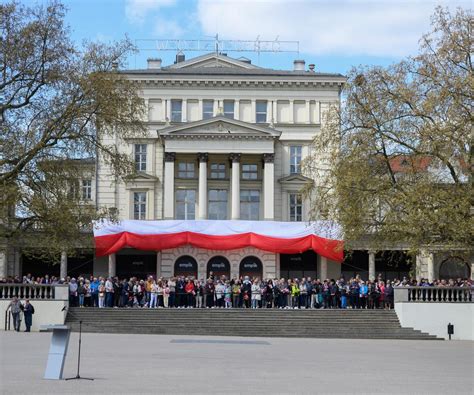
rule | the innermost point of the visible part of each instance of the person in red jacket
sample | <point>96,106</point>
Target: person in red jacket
<point>190,293</point>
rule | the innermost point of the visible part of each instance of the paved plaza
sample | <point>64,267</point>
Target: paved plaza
<point>153,364</point>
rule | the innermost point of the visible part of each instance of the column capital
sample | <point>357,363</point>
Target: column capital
<point>268,158</point>
<point>235,158</point>
<point>203,156</point>
<point>170,156</point>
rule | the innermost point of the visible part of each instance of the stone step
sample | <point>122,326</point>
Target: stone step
<point>326,323</point>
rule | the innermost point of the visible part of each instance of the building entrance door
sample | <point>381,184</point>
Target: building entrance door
<point>219,266</point>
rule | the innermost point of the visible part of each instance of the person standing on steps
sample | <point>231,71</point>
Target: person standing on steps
<point>172,292</point>
<point>109,293</point>
<point>209,291</point>
<point>28,311</point>
<point>95,292</point>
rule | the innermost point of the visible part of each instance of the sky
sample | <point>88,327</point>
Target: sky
<point>333,34</point>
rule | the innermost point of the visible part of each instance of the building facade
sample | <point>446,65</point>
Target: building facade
<point>225,141</point>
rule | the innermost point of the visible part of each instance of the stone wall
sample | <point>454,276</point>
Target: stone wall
<point>202,256</point>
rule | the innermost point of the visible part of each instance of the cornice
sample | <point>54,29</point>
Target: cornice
<point>202,136</point>
<point>237,83</point>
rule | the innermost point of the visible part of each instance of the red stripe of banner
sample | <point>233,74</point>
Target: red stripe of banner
<point>331,249</point>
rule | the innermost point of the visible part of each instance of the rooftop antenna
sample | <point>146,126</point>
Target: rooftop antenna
<point>217,45</point>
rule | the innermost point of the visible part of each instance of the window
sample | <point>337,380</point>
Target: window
<point>218,170</point>
<point>139,205</point>
<point>229,109</point>
<point>295,159</point>
<point>250,204</point>
<point>186,170</point>
<point>261,115</point>
<point>140,157</point>
<point>296,207</point>
<point>176,110</point>
<point>73,189</point>
<point>207,109</point>
<point>185,204</point>
<point>249,172</point>
<point>218,204</point>
<point>86,189</point>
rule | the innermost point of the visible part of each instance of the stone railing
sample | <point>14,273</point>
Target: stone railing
<point>34,291</point>
<point>434,294</point>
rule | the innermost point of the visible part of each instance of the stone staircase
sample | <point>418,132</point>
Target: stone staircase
<point>349,324</point>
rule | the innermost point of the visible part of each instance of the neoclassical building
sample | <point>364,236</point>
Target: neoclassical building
<point>225,141</point>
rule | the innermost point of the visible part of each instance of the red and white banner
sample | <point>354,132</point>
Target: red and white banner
<point>323,237</point>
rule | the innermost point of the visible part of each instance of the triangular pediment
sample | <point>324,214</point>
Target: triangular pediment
<point>219,126</point>
<point>295,179</point>
<point>213,60</point>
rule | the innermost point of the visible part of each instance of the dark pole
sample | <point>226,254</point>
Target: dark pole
<point>79,353</point>
<point>78,377</point>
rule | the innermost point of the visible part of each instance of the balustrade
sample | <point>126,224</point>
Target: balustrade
<point>34,291</point>
<point>434,294</point>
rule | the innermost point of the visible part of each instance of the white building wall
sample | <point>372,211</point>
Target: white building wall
<point>434,318</point>
<point>47,312</point>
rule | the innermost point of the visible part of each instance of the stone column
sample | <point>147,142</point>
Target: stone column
<point>425,265</point>
<point>430,262</point>
<point>168,110</point>
<point>146,115</point>
<point>253,116</point>
<point>163,110</point>
<point>184,110</point>
<point>202,197</point>
<point>275,109</point>
<point>270,119</point>
<point>268,187</point>
<point>235,186</point>
<point>112,265</point>
<point>168,191</point>
<point>17,264</point>
<point>3,264</point>
<point>371,265</point>
<point>200,109</point>
<point>277,265</point>
<point>158,264</point>
<point>63,267</point>
<point>292,111</point>
<point>216,107</point>
<point>308,111</point>
<point>324,268</point>
<point>237,109</point>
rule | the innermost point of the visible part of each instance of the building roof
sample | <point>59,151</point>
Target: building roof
<point>227,71</point>
<point>221,65</point>
<point>409,163</point>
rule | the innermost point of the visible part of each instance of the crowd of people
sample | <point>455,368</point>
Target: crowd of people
<point>244,292</point>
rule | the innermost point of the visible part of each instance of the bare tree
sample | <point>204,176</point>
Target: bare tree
<point>398,156</point>
<point>57,103</point>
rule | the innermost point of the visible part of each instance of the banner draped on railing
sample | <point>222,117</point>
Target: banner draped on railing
<point>323,237</point>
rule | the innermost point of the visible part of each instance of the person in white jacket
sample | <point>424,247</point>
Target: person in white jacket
<point>220,293</point>
<point>256,294</point>
<point>153,295</point>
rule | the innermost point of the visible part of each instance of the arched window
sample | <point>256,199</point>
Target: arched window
<point>454,267</point>
<point>251,266</point>
<point>219,266</point>
<point>185,266</point>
